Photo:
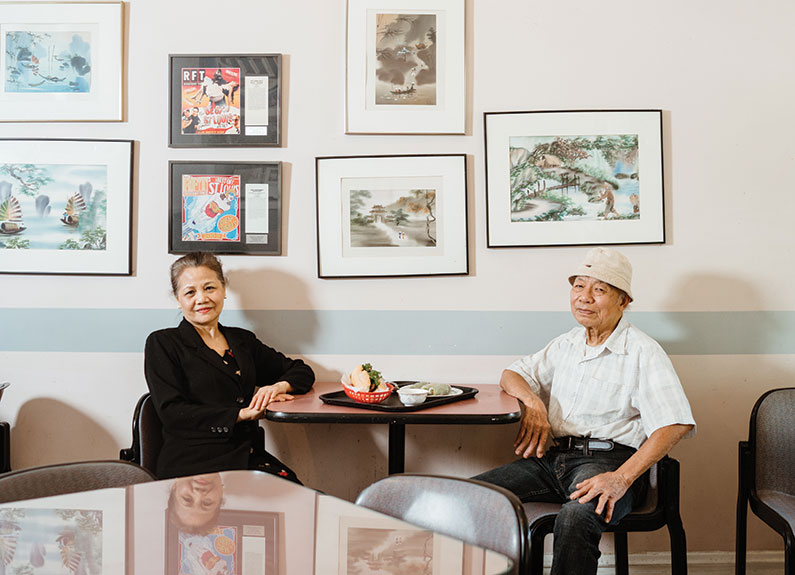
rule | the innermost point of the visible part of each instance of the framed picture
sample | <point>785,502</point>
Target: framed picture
<point>225,100</point>
<point>65,206</point>
<point>391,216</point>
<point>242,542</point>
<point>225,207</point>
<point>74,533</point>
<point>405,72</point>
<point>60,61</point>
<point>353,539</point>
<point>574,178</point>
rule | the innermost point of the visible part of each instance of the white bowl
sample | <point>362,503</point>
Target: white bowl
<point>412,396</point>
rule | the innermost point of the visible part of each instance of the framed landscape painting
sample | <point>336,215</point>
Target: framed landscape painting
<point>391,216</point>
<point>574,178</point>
<point>65,206</point>
<point>225,207</point>
<point>61,61</point>
<point>225,100</point>
<point>406,67</point>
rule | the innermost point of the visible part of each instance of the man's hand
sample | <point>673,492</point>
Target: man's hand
<point>608,487</point>
<point>531,441</point>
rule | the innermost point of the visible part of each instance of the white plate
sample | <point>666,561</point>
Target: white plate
<point>453,390</point>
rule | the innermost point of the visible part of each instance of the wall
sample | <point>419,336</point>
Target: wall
<point>716,294</point>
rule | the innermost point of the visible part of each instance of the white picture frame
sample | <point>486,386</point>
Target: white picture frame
<point>406,67</point>
<point>61,61</point>
<point>70,210</point>
<point>76,528</point>
<point>387,216</point>
<point>605,186</point>
<point>349,532</point>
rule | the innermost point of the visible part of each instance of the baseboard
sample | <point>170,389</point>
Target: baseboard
<point>762,559</point>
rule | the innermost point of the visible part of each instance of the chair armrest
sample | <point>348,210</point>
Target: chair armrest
<point>128,454</point>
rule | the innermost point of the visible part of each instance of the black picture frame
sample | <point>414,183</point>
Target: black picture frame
<point>259,527</point>
<point>245,87</point>
<point>233,190</point>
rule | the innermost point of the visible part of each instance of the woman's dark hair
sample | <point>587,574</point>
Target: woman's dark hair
<point>195,260</point>
<point>174,519</point>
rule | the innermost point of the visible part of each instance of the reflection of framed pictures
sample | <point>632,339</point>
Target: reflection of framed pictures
<point>60,61</point>
<point>65,206</point>
<point>74,533</point>
<point>358,540</point>
<point>391,216</point>
<point>225,207</point>
<point>226,100</point>
<point>242,542</point>
<point>574,178</point>
<point>405,67</point>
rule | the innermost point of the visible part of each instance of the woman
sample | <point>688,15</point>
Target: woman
<point>211,384</point>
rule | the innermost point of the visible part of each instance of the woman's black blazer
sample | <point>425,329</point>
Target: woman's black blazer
<point>197,396</point>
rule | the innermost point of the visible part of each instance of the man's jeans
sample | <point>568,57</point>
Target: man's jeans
<point>552,479</point>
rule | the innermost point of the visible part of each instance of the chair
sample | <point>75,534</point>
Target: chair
<point>473,511</point>
<point>147,435</point>
<point>5,438</point>
<point>69,478</point>
<point>660,509</point>
<point>767,473</point>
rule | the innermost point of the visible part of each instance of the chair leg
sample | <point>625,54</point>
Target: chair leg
<point>740,536</point>
<point>536,553</point>
<point>621,550</point>
<point>678,546</point>
<point>789,556</point>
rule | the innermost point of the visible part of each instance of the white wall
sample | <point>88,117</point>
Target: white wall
<point>718,70</point>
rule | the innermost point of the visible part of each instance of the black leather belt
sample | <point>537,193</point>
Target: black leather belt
<point>584,444</point>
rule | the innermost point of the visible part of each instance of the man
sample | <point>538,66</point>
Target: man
<point>607,397</point>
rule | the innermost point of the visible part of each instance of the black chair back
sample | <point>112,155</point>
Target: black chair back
<point>147,435</point>
<point>69,478</point>
<point>473,511</point>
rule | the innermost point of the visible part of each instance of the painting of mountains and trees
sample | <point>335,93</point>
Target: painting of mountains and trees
<point>571,178</point>
<point>393,218</point>
<point>406,53</point>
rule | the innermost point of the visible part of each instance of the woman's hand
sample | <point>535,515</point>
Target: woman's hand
<point>608,487</point>
<point>263,397</point>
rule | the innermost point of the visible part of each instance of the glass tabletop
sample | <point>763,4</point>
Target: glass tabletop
<point>232,523</point>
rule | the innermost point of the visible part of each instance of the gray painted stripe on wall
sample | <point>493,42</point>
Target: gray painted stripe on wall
<point>412,332</point>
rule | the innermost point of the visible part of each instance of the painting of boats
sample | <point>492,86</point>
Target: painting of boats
<point>406,54</point>
<point>64,207</point>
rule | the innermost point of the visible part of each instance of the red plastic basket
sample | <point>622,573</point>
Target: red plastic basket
<point>368,396</point>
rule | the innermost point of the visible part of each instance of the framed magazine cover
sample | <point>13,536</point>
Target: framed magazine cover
<point>392,215</point>
<point>225,100</point>
<point>406,67</point>
<point>225,207</point>
<point>61,61</point>
<point>66,206</point>
<point>241,542</point>
<point>585,177</point>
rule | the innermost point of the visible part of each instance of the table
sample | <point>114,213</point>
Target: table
<point>258,524</point>
<point>490,406</point>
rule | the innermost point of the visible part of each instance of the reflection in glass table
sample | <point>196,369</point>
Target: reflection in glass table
<point>232,523</point>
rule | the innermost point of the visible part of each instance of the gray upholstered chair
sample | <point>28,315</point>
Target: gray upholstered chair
<point>475,512</point>
<point>69,478</point>
<point>661,509</point>
<point>767,473</point>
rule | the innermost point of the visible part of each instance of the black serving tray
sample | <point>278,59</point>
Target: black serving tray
<point>392,403</point>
